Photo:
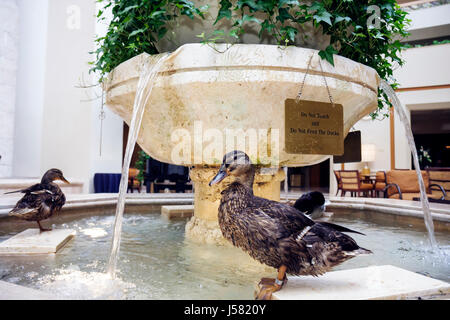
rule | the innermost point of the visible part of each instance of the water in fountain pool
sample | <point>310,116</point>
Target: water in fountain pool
<point>157,262</point>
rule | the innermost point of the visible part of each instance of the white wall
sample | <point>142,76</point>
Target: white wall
<point>30,87</point>
<point>110,159</point>
<point>9,51</point>
<point>55,126</point>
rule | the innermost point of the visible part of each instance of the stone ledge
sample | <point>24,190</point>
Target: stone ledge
<point>32,241</point>
<point>177,211</point>
<point>10,291</point>
<point>371,283</point>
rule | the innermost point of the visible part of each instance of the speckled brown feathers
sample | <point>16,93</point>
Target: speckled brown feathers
<point>277,234</point>
<point>41,200</point>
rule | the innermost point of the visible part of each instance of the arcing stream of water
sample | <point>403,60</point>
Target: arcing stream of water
<point>143,92</point>
<point>398,106</point>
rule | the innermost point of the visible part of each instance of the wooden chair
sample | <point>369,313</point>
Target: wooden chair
<point>439,176</point>
<point>133,182</point>
<point>338,181</point>
<point>380,183</point>
<point>351,181</point>
<point>404,185</point>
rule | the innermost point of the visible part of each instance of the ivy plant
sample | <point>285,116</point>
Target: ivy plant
<point>366,31</point>
<point>135,27</point>
<point>141,164</point>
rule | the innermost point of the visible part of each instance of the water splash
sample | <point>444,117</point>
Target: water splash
<point>398,106</point>
<point>72,283</point>
<point>143,92</point>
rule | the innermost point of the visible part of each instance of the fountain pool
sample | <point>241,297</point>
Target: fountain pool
<point>157,262</point>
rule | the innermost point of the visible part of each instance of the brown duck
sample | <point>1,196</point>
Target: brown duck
<point>274,233</point>
<point>41,200</point>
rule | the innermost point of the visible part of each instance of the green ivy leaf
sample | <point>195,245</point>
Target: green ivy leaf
<point>224,11</point>
<point>323,15</point>
<point>135,32</point>
<point>327,54</point>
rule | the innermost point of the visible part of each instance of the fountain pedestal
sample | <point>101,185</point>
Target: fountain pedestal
<point>203,226</point>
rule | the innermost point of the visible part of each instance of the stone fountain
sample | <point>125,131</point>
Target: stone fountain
<point>203,91</point>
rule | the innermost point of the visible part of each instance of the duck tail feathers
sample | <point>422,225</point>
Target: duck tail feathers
<point>339,228</point>
<point>13,191</point>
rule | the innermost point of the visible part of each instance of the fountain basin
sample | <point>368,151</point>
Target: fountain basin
<point>157,262</point>
<point>241,87</point>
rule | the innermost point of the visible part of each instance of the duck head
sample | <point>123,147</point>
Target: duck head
<point>52,175</point>
<point>237,165</point>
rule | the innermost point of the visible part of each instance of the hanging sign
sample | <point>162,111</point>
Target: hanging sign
<point>313,127</point>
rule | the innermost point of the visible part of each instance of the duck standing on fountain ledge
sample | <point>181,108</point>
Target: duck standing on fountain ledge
<point>274,233</point>
<point>41,200</point>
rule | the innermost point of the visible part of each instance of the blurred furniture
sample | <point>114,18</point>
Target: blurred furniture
<point>338,181</point>
<point>133,181</point>
<point>403,184</point>
<point>439,176</point>
<point>367,177</point>
<point>107,182</point>
<point>367,155</point>
<point>295,181</point>
<point>380,183</point>
<point>351,181</point>
<point>163,177</point>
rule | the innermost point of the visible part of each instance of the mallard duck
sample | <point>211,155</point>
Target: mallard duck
<point>41,200</point>
<point>274,233</point>
<point>312,204</point>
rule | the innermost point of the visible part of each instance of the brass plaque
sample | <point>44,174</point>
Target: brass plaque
<point>313,127</point>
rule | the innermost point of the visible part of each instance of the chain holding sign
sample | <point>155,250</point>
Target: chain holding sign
<point>313,127</point>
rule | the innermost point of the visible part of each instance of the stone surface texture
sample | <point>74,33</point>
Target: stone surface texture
<point>11,291</point>
<point>177,211</point>
<point>32,241</point>
<point>371,283</point>
<point>204,227</point>
<point>240,88</point>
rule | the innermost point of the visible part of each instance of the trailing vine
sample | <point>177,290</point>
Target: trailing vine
<point>136,26</point>
<point>365,31</point>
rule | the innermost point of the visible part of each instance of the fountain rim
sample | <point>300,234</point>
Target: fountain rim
<point>329,71</point>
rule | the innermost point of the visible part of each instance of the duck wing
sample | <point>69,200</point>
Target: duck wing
<point>322,233</point>
<point>337,227</point>
<point>288,219</point>
<point>33,205</point>
<point>38,201</point>
<point>36,189</point>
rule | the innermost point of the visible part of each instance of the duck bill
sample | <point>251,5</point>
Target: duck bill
<point>219,177</point>
<point>64,180</point>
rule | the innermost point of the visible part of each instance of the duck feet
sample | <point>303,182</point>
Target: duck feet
<point>267,286</point>
<point>265,291</point>
<point>43,229</point>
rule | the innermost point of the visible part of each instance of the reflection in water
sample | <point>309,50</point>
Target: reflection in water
<point>156,261</point>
